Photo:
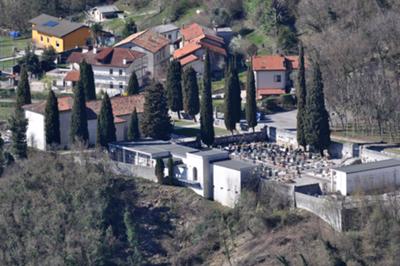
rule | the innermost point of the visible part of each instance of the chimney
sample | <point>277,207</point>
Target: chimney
<point>94,50</point>
<point>124,61</point>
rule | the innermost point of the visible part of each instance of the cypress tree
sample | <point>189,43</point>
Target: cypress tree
<point>301,101</point>
<point>206,106</point>
<point>317,132</point>
<point>135,257</point>
<point>133,84</point>
<point>79,125</point>
<point>174,87</point>
<point>159,170</point>
<point>2,157</point>
<point>156,123</point>
<point>237,100</point>
<point>229,112</point>
<point>171,173</point>
<point>191,101</point>
<point>105,123</point>
<point>23,90</point>
<point>133,128</point>
<point>251,103</point>
<point>18,126</point>
<point>87,80</point>
<point>52,120</point>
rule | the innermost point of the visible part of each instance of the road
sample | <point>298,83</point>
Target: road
<point>284,120</point>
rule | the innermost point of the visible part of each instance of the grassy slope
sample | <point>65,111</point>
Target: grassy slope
<point>7,45</point>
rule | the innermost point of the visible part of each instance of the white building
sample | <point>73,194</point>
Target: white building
<point>112,67</point>
<point>154,45</point>
<point>103,13</point>
<point>122,110</point>
<point>272,74</point>
<point>209,173</point>
<point>366,177</point>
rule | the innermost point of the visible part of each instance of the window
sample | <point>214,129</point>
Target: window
<point>111,71</point>
<point>277,78</point>
<point>194,174</point>
<point>121,85</point>
<point>111,85</point>
<point>57,44</point>
<point>41,38</point>
<point>169,36</point>
<point>48,40</point>
<point>120,72</point>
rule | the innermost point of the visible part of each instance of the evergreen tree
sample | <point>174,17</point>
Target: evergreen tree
<point>52,120</point>
<point>87,81</point>
<point>105,123</point>
<point>251,103</point>
<point>47,61</point>
<point>317,132</point>
<point>135,257</point>
<point>156,123</point>
<point>133,128</point>
<point>18,126</point>
<point>232,106</point>
<point>206,107</point>
<point>129,28</point>
<point>79,125</point>
<point>301,101</point>
<point>236,89</point>
<point>191,101</point>
<point>133,84</point>
<point>2,156</point>
<point>171,173</point>
<point>23,89</point>
<point>159,170</point>
<point>174,87</point>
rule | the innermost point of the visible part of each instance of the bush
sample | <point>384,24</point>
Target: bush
<point>270,103</point>
<point>287,100</point>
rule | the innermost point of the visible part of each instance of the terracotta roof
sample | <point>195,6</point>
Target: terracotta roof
<point>214,48</point>
<point>73,75</point>
<point>269,62</point>
<point>294,60</point>
<point>187,49</point>
<point>149,40</point>
<point>122,105</point>
<point>107,57</point>
<point>194,31</point>
<point>269,91</point>
<point>188,59</point>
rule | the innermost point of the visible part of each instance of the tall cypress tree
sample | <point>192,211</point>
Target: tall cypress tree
<point>105,123</point>
<point>23,90</point>
<point>133,128</point>
<point>2,157</point>
<point>135,257</point>
<point>251,103</point>
<point>317,132</point>
<point>79,124</point>
<point>191,101</point>
<point>229,101</point>
<point>133,84</point>
<point>174,87</point>
<point>87,80</point>
<point>156,123</point>
<point>159,170</point>
<point>301,101</point>
<point>171,173</point>
<point>18,126</point>
<point>206,106</point>
<point>52,120</point>
<point>237,100</point>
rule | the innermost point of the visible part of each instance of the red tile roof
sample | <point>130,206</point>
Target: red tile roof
<point>187,49</point>
<point>269,62</point>
<point>73,75</point>
<point>269,92</point>
<point>149,40</point>
<point>214,48</point>
<point>195,31</point>
<point>188,59</point>
<point>113,57</point>
<point>294,60</point>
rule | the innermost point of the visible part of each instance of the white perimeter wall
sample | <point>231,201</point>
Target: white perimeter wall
<point>35,132</point>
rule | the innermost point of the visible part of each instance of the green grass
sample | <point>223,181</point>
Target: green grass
<point>8,44</point>
<point>180,123</point>
<point>6,110</point>
<point>393,150</point>
<point>218,85</point>
<point>6,65</point>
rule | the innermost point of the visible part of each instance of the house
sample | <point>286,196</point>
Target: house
<point>209,173</point>
<point>154,45</point>
<point>103,13</point>
<point>61,34</point>
<point>112,67</point>
<point>272,74</point>
<point>366,177</point>
<point>122,110</point>
<point>171,32</point>
<point>196,40</point>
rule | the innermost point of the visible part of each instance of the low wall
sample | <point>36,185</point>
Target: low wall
<point>133,170</point>
<point>367,154</point>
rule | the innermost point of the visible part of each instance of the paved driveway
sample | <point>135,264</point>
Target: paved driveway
<point>285,120</point>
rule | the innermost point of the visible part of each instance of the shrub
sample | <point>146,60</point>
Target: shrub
<point>270,103</point>
<point>287,100</point>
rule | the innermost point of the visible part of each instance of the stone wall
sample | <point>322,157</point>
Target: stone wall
<point>133,170</point>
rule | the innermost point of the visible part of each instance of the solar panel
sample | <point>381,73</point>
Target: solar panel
<point>50,23</point>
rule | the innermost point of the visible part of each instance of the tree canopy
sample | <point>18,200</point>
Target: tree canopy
<point>206,107</point>
<point>106,131</point>
<point>79,124</point>
<point>52,120</point>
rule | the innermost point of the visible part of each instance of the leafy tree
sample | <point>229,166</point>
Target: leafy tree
<point>159,170</point>
<point>135,257</point>
<point>156,123</point>
<point>31,61</point>
<point>47,61</point>
<point>206,107</point>
<point>87,81</point>
<point>133,127</point>
<point>18,126</point>
<point>105,123</point>
<point>96,29</point>
<point>317,125</point>
<point>174,87</point>
<point>191,101</point>
<point>133,84</point>
<point>129,28</point>
<point>171,171</point>
<point>301,101</point>
<point>79,125</point>
<point>52,120</point>
<point>251,103</point>
<point>23,89</point>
